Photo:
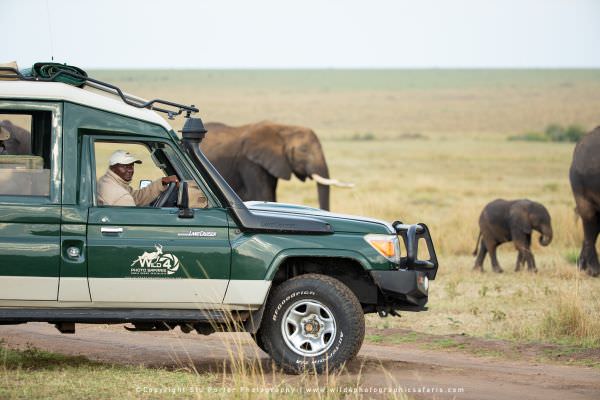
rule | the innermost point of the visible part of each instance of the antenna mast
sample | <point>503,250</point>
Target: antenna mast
<point>50,30</point>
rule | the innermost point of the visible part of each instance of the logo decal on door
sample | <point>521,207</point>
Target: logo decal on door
<point>155,263</point>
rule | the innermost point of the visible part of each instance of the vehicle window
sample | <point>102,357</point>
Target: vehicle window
<point>196,196</point>
<point>147,170</point>
<point>25,162</point>
<point>155,164</point>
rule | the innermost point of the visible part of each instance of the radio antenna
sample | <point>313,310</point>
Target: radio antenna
<point>50,30</point>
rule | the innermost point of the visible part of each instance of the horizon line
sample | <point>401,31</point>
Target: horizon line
<point>344,68</point>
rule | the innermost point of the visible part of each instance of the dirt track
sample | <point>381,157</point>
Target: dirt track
<point>407,366</point>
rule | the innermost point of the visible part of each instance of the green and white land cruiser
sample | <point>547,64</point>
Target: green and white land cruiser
<point>298,279</point>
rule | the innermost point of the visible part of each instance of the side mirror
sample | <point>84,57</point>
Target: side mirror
<point>183,201</point>
<point>145,183</point>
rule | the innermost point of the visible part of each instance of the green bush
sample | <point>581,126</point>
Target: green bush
<point>574,133</point>
<point>552,133</point>
<point>529,137</point>
<point>367,136</point>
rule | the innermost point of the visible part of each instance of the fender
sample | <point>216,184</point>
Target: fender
<point>332,253</point>
<point>253,323</point>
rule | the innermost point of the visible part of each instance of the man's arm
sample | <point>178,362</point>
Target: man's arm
<point>145,196</point>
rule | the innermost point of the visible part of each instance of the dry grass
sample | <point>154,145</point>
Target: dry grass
<point>516,306</point>
<point>570,320</point>
<point>32,373</point>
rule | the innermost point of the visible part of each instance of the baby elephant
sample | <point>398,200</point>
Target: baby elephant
<point>504,221</point>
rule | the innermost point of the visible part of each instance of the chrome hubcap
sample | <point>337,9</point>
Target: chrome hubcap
<point>308,328</point>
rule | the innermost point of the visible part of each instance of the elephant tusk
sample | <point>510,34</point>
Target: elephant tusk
<point>330,182</point>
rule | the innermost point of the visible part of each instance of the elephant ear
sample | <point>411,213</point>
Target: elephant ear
<point>264,146</point>
<point>519,218</point>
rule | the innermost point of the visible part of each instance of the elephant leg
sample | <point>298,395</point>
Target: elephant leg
<point>259,184</point>
<point>588,258</point>
<point>529,255</point>
<point>480,257</point>
<point>495,264</point>
<point>274,181</point>
<point>530,261</point>
<point>523,246</point>
<point>520,260</point>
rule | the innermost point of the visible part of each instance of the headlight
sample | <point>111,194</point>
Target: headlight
<point>386,245</point>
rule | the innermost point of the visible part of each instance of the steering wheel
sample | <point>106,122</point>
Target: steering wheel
<point>162,198</point>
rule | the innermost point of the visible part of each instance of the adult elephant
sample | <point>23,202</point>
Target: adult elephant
<point>585,183</point>
<point>253,157</point>
<point>505,221</point>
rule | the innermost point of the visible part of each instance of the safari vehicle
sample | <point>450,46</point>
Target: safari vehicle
<point>298,279</point>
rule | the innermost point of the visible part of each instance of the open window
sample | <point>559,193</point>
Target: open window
<point>25,153</point>
<point>157,161</point>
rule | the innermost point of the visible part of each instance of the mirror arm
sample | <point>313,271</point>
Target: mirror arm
<point>183,202</point>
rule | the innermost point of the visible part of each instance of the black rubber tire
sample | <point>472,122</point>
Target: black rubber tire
<point>258,340</point>
<point>346,310</point>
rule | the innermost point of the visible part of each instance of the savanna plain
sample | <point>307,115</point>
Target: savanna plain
<point>420,146</point>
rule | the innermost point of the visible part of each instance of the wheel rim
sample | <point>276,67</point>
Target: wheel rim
<point>308,328</point>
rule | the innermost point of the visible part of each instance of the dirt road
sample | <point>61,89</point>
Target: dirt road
<point>436,373</point>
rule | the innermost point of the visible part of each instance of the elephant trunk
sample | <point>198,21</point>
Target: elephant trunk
<point>546,237</point>
<point>322,171</point>
<point>323,191</point>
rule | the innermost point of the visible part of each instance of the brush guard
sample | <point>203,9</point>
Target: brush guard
<point>411,235</point>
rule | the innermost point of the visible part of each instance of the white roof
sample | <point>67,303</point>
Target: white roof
<point>63,92</point>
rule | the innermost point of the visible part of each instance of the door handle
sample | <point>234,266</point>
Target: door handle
<point>111,230</point>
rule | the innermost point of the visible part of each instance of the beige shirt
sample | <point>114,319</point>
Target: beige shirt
<point>114,191</point>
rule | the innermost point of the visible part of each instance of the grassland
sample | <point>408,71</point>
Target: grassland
<point>460,160</point>
<point>453,103</point>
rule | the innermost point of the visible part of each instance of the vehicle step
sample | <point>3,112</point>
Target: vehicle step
<point>114,315</point>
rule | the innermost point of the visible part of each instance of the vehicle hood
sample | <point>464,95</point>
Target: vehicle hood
<point>339,222</point>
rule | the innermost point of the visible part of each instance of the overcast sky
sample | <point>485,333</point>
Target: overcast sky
<point>302,33</point>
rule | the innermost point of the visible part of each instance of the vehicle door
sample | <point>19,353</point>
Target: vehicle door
<point>30,200</point>
<point>149,256</point>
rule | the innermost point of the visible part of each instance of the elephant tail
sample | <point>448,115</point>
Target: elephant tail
<point>477,244</point>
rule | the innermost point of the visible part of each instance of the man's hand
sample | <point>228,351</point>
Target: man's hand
<point>168,179</point>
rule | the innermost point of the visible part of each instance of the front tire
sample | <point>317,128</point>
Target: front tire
<point>312,323</point>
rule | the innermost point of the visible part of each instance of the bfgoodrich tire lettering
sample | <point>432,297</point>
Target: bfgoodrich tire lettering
<point>312,323</point>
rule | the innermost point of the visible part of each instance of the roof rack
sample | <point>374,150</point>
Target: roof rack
<point>107,87</point>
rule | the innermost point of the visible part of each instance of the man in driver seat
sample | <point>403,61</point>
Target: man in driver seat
<point>113,187</point>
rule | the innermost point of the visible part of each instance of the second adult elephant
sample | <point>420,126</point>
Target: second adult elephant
<point>505,221</point>
<point>253,157</point>
<point>585,182</point>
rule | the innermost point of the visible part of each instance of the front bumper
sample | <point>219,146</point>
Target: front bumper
<point>408,286</point>
<point>401,289</point>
